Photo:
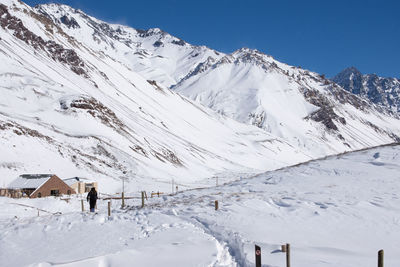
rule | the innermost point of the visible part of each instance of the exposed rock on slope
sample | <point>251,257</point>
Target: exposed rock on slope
<point>54,50</point>
<point>381,91</point>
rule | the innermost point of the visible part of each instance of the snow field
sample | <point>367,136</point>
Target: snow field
<point>334,212</point>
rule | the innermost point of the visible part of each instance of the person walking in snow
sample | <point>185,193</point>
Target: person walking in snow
<point>92,198</point>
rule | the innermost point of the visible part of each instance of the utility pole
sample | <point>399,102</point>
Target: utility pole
<point>123,190</point>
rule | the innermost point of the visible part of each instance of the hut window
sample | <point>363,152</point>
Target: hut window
<point>88,186</point>
<point>69,192</point>
<point>39,194</point>
<point>55,192</point>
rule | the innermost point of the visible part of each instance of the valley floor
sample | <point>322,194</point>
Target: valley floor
<point>334,212</point>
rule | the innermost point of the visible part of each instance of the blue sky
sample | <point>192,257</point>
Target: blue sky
<point>323,36</point>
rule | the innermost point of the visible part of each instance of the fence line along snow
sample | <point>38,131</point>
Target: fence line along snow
<point>286,250</point>
<point>28,206</point>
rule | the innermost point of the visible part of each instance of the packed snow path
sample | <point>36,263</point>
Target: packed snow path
<point>334,212</point>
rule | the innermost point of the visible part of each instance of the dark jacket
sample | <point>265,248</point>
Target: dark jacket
<point>92,196</point>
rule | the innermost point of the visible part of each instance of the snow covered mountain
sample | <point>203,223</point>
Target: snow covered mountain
<point>300,106</point>
<point>247,85</point>
<point>81,97</point>
<point>68,109</point>
<point>153,53</point>
<point>381,91</point>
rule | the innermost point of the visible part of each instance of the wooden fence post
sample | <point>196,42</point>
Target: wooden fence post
<point>283,248</point>
<point>142,199</point>
<point>109,208</point>
<point>216,204</point>
<point>380,258</point>
<point>287,255</point>
<point>83,207</point>
<point>258,256</point>
<point>123,200</point>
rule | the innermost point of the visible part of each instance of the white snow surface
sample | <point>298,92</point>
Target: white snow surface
<point>334,212</point>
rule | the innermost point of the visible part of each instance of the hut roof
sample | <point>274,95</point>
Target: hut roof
<point>29,181</point>
<point>71,181</point>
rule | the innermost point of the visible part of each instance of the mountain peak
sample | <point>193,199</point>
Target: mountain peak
<point>56,7</point>
<point>381,91</point>
<point>349,71</point>
<point>352,69</point>
<point>254,56</point>
<point>248,51</point>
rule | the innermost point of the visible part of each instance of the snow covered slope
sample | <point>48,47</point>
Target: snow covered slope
<point>68,109</point>
<point>153,53</point>
<point>297,105</point>
<point>334,212</point>
<point>301,107</point>
<point>381,91</point>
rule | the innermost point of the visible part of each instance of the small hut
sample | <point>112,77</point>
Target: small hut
<point>38,185</point>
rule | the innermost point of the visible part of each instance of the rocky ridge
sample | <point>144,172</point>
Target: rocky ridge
<point>384,92</point>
